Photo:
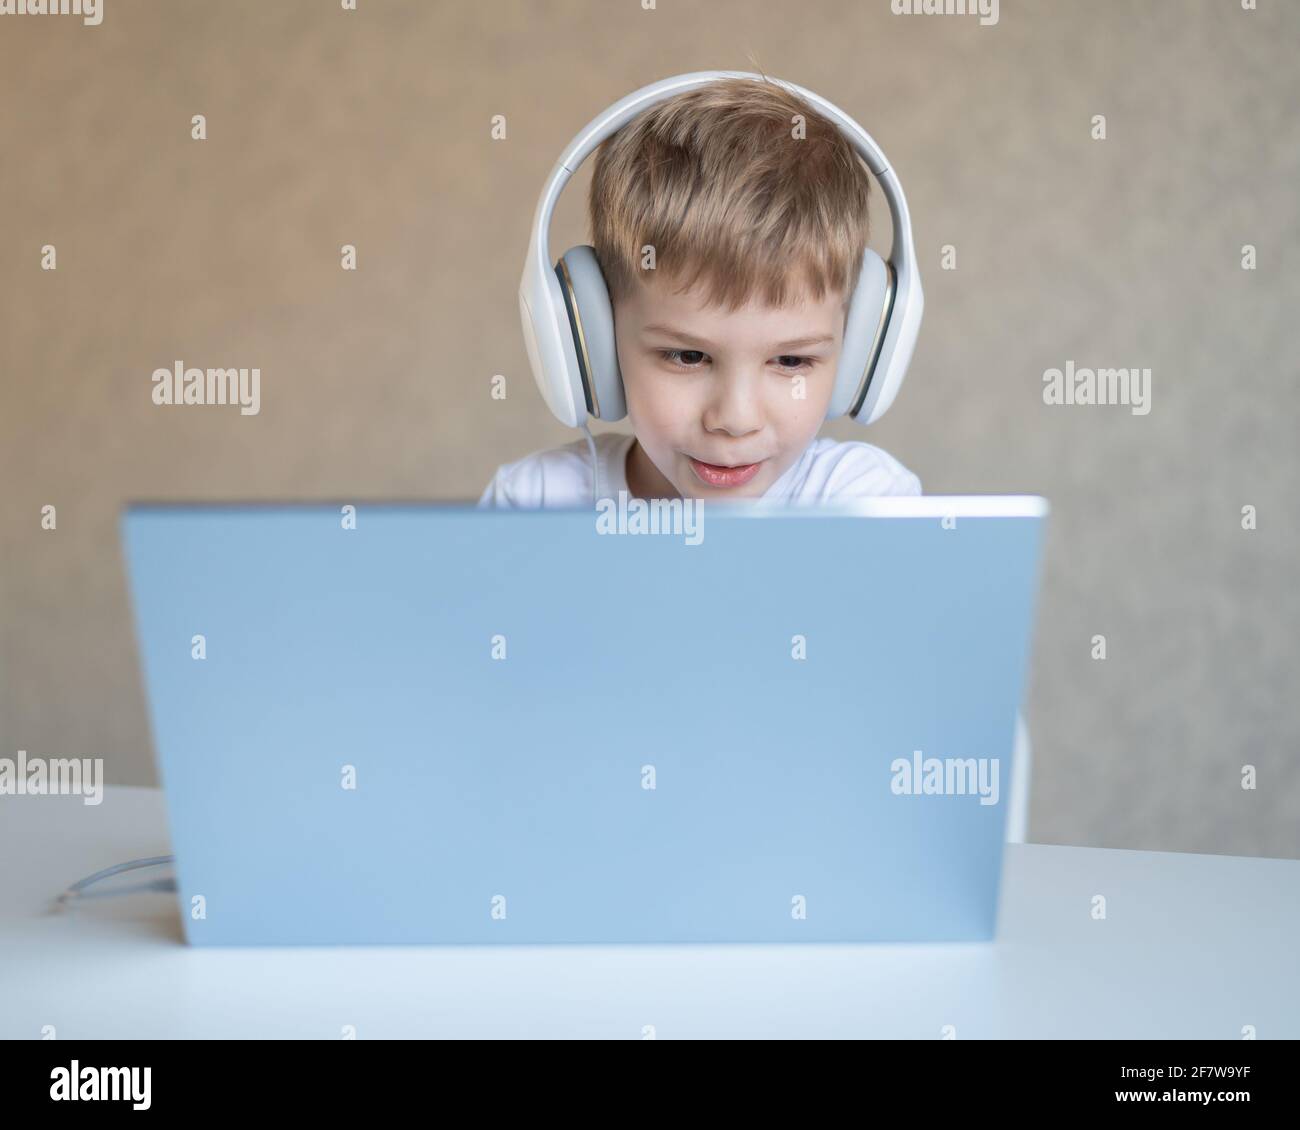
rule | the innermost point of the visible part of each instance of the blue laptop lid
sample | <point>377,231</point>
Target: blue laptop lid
<point>435,723</point>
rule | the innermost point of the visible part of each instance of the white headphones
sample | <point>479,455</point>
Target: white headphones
<point>568,319</point>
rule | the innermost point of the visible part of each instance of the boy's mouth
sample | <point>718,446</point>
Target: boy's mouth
<point>715,476</point>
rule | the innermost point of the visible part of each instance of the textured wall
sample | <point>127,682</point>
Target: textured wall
<point>371,127</point>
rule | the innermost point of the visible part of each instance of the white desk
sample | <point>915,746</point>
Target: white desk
<point>1192,946</point>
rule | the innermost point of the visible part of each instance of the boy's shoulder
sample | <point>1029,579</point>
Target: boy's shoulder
<point>552,477</point>
<point>833,468</point>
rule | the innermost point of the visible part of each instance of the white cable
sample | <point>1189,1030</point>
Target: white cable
<point>595,466</point>
<point>78,889</point>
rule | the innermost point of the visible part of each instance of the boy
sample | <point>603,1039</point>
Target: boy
<point>728,347</point>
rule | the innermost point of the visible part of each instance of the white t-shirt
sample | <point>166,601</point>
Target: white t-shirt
<point>561,476</point>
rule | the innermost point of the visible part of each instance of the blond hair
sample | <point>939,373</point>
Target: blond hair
<point>717,181</point>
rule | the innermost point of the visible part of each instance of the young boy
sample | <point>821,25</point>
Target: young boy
<point>728,347</point>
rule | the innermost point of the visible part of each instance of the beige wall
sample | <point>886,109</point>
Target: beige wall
<point>371,127</point>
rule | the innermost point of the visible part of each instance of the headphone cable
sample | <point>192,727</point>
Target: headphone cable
<point>78,889</point>
<point>595,466</point>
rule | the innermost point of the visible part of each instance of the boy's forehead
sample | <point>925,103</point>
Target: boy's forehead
<point>654,303</point>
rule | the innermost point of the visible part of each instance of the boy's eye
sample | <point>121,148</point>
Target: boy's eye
<point>686,358</point>
<point>788,361</point>
<point>693,358</point>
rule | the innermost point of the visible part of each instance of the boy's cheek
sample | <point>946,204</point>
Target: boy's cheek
<point>810,402</point>
<point>802,414</point>
<point>637,390</point>
<point>656,411</point>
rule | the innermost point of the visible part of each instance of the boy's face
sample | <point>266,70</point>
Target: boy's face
<point>714,397</point>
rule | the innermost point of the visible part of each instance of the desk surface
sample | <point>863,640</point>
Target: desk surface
<point>1192,946</point>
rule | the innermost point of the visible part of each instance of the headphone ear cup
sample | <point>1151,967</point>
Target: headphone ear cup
<point>591,319</point>
<point>864,332</point>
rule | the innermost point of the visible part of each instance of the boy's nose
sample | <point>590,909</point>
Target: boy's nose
<point>733,405</point>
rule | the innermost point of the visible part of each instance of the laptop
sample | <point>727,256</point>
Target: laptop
<point>431,723</point>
